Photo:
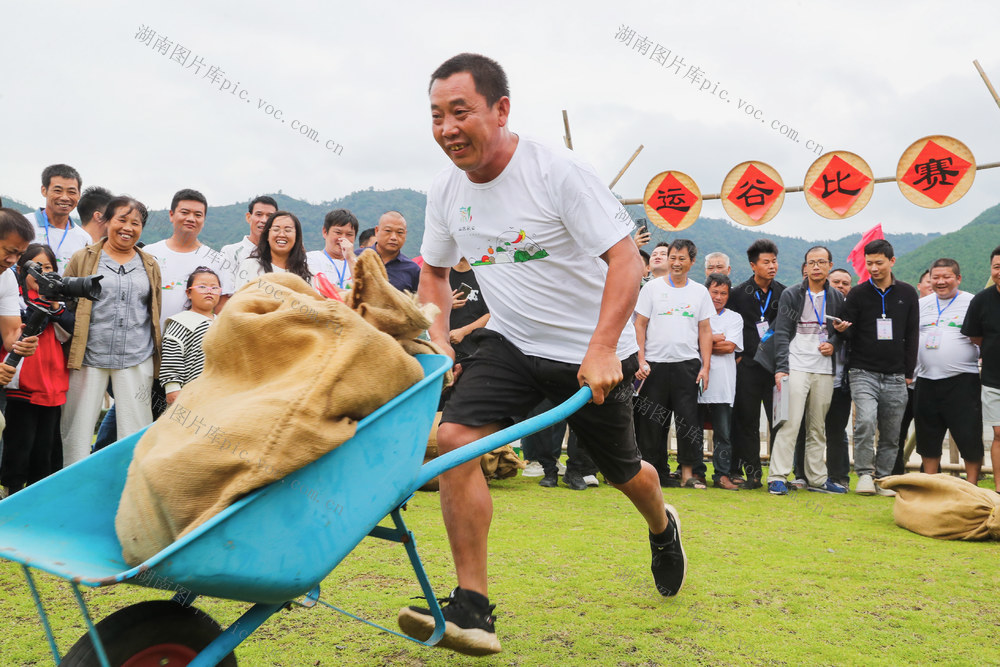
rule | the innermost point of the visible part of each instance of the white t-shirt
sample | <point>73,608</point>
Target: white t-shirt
<point>674,315</point>
<point>803,349</point>
<point>944,352</point>
<point>250,268</point>
<point>234,254</point>
<point>337,271</point>
<point>175,267</point>
<point>64,242</point>
<point>534,236</point>
<point>722,374</point>
<point>10,298</point>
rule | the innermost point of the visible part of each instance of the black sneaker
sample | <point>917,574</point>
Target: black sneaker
<point>574,480</point>
<point>468,623</point>
<point>669,561</point>
<point>550,481</point>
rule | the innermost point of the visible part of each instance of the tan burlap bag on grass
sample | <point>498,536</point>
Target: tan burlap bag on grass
<point>288,374</point>
<point>501,463</point>
<point>944,507</point>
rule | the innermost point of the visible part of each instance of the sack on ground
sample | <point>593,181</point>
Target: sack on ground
<point>944,507</point>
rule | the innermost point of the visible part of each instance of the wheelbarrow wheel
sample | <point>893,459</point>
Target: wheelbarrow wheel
<point>156,633</point>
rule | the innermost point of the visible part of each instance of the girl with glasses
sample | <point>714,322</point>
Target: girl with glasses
<point>183,358</point>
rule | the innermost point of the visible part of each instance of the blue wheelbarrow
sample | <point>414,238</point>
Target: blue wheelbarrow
<point>271,548</point>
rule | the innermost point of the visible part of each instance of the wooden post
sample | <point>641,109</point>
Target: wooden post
<point>627,164</point>
<point>986,80</point>
<point>568,138</point>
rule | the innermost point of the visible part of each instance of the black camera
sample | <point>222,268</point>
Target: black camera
<point>54,286</point>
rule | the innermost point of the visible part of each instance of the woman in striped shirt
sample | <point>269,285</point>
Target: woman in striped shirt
<point>183,359</point>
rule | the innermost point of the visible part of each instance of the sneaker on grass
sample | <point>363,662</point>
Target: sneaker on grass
<point>562,468</point>
<point>799,484</point>
<point>669,563</point>
<point>883,492</point>
<point>591,480</point>
<point>533,469</point>
<point>866,486</point>
<point>468,623</point>
<point>829,486</point>
<point>777,488</point>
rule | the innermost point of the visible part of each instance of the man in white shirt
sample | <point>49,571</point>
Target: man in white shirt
<point>336,260</point>
<point>717,400</point>
<point>947,393</point>
<point>675,350</point>
<point>61,185</point>
<point>552,252</point>
<point>182,253</point>
<point>802,349</point>
<point>90,208</point>
<point>258,211</point>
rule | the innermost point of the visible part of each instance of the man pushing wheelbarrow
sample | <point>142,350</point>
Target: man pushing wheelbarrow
<point>551,251</point>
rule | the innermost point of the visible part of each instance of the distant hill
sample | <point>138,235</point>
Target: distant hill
<point>970,246</point>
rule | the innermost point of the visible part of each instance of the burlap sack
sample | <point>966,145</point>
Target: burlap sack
<point>944,507</point>
<point>287,376</point>
<point>501,463</point>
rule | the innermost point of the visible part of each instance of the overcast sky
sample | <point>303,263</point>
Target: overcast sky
<point>77,86</point>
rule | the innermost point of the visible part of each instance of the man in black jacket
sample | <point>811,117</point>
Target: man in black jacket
<point>803,348</point>
<point>756,300</point>
<point>885,317</point>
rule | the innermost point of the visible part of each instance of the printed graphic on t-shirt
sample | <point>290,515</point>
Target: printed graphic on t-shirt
<point>509,248</point>
<point>687,310</point>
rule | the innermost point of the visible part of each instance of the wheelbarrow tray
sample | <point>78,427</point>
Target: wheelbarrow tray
<point>272,545</point>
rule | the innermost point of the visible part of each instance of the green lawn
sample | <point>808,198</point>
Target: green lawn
<point>803,579</point>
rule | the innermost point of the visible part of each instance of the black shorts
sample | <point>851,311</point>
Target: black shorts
<point>499,384</point>
<point>950,404</point>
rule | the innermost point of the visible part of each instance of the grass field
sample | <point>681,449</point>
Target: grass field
<point>808,579</point>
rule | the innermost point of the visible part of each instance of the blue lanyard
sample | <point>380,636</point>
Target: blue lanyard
<point>812,301</point>
<point>763,307</point>
<point>340,274</point>
<point>45,219</point>
<point>941,310</point>
<point>881,294</point>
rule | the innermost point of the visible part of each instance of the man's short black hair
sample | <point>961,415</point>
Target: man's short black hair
<point>489,77</point>
<point>841,270</point>
<point>684,244</point>
<point>829,255</point>
<point>759,247</point>
<point>662,244</point>
<point>14,222</point>
<point>645,256</point>
<point>946,263</point>
<point>259,199</point>
<point>366,236</point>
<point>187,194</point>
<point>718,279</point>
<point>996,251</point>
<point>880,247</point>
<point>93,200</point>
<point>62,171</point>
<point>923,275</point>
<point>339,217</point>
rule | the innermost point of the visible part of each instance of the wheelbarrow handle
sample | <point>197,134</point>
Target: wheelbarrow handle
<point>475,449</point>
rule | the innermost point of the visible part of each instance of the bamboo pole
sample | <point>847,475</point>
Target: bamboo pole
<point>986,80</point>
<point>568,138</point>
<point>627,164</point>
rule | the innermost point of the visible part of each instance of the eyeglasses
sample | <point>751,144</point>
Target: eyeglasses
<point>817,262</point>
<point>207,288</point>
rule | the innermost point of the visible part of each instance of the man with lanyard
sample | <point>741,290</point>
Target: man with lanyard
<point>756,300</point>
<point>336,260</point>
<point>802,349</point>
<point>947,392</point>
<point>390,236</point>
<point>885,329</point>
<point>560,307</point>
<point>982,326</point>
<point>259,210</point>
<point>61,185</point>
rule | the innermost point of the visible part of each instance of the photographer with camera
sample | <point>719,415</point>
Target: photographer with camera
<point>38,390</point>
<point>117,333</point>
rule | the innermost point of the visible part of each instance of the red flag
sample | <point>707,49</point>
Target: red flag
<point>857,256</point>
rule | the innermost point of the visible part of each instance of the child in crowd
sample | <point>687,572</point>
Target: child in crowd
<point>32,443</point>
<point>183,358</point>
